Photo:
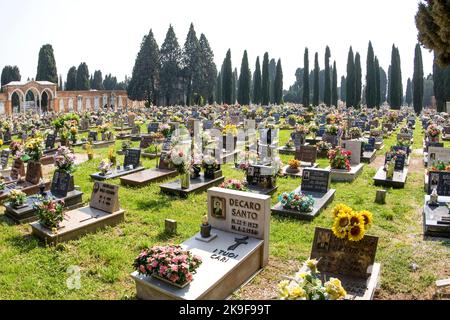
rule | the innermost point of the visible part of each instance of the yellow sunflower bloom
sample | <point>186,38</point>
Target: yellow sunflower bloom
<point>341,208</point>
<point>356,232</point>
<point>368,218</point>
<point>340,226</point>
<point>356,219</point>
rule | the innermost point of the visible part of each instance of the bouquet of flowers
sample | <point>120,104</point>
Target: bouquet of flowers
<point>433,131</point>
<point>126,145</point>
<point>49,212</point>
<point>73,134</point>
<point>104,166</point>
<point>103,128</point>
<point>165,129</point>
<point>218,124</point>
<point>349,224</point>
<point>313,128</point>
<point>323,146</point>
<point>234,184</point>
<point>331,130</point>
<point>112,156</point>
<point>331,118</point>
<point>297,201</point>
<point>34,148</point>
<point>209,162</point>
<point>300,120</point>
<point>440,166</point>
<point>302,129</point>
<point>170,262</point>
<point>16,148</point>
<point>230,129</point>
<point>16,198</point>
<point>65,159</point>
<point>355,133</point>
<point>179,159</point>
<point>307,285</point>
<point>339,158</point>
<point>294,164</point>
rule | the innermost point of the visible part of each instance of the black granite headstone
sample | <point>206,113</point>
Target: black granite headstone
<point>50,141</point>
<point>93,135</point>
<point>315,180</point>
<point>62,182</point>
<point>4,158</point>
<point>132,157</point>
<point>439,180</point>
<point>153,127</point>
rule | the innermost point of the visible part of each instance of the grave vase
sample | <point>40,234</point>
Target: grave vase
<point>185,180</point>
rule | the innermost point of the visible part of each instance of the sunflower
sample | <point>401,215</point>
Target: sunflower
<point>368,218</point>
<point>341,208</point>
<point>356,219</point>
<point>356,233</point>
<point>340,226</point>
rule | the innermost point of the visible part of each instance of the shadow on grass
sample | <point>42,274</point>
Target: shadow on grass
<point>6,220</point>
<point>165,236</point>
<point>443,241</point>
<point>24,243</point>
<point>153,204</point>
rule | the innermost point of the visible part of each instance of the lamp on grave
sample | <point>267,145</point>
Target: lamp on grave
<point>205,228</point>
<point>42,188</point>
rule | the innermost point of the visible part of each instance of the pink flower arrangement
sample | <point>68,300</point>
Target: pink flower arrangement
<point>433,131</point>
<point>339,158</point>
<point>169,262</point>
<point>234,184</point>
<point>65,159</point>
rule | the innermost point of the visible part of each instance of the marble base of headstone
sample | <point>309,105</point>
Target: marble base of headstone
<point>288,151</point>
<point>321,202</point>
<point>115,174</point>
<point>25,187</point>
<point>122,136</point>
<point>298,174</point>
<point>197,185</point>
<point>77,223</point>
<point>436,219</point>
<point>344,175</point>
<point>425,182</point>
<point>150,156</point>
<point>368,156</point>
<point>218,276</point>
<point>397,181</point>
<point>146,177</point>
<point>101,144</point>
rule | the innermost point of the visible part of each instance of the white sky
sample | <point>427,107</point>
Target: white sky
<point>106,34</point>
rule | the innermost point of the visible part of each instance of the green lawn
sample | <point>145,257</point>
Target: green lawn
<point>29,270</point>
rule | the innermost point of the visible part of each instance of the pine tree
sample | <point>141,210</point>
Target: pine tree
<point>334,87</point>
<point>97,81</point>
<point>10,74</point>
<point>257,83</point>
<point>343,93</point>
<point>170,74</point>
<point>192,63</point>
<point>377,83</point>
<point>227,80</point>
<point>316,80</point>
<point>278,84</point>
<point>71,82</point>
<point>350,80</point>
<point>408,93</point>
<point>358,80</point>
<point>327,86</point>
<point>46,70</point>
<point>417,84</point>
<point>83,77</point>
<point>244,81</point>
<point>209,70</point>
<point>265,87</point>
<point>306,79</point>
<point>371,82</point>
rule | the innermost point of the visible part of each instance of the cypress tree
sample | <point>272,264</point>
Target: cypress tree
<point>306,79</point>
<point>219,88</point>
<point>10,74</point>
<point>83,77</point>
<point>235,85</point>
<point>371,87</point>
<point>417,84</point>
<point>97,81</point>
<point>257,83</point>
<point>327,97</point>
<point>408,93</point>
<point>46,70</point>
<point>272,72</point>
<point>350,80</point>
<point>209,70</point>
<point>60,86</point>
<point>192,70</point>
<point>377,83</point>
<point>383,85</point>
<point>278,84</point>
<point>316,80</point>
<point>395,80</point>
<point>441,77</point>
<point>244,81</point>
<point>358,80</point>
<point>265,87</point>
<point>71,82</point>
<point>227,80</point>
<point>334,87</point>
<point>343,88</point>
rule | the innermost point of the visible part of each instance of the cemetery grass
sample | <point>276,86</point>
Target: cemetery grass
<point>32,270</point>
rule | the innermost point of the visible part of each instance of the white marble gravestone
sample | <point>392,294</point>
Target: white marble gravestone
<point>436,154</point>
<point>355,147</point>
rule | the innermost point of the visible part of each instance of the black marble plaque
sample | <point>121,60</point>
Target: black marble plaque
<point>132,157</point>
<point>4,157</point>
<point>50,141</point>
<point>439,180</point>
<point>62,182</point>
<point>315,180</point>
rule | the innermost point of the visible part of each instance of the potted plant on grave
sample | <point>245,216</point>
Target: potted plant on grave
<point>64,136</point>
<point>112,156</point>
<point>230,130</point>
<point>65,160</point>
<point>331,118</point>
<point>2,185</point>
<point>17,198</point>
<point>339,158</point>
<point>234,184</point>
<point>170,264</point>
<point>307,285</point>
<point>125,145</point>
<point>313,128</point>
<point>323,148</point>
<point>290,144</point>
<point>34,149</point>
<point>196,166</point>
<point>355,133</point>
<point>389,168</point>
<point>440,166</point>
<point>433,132</point>
<point>211,166</point>
<point>181,161</point>
<point>165,129</point>
<point>293,166</point>
<point>89,150</point>
<point>49,212</point>
<point>73,134</point>
<point>104,166</point>
<point>297,201</point>
<point>292,120</point>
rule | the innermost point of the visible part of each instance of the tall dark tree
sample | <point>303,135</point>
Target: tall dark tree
<point>358,80</point>
<point>235,82</point>
<point>383,86</point>
<point>219,89</point>
<point>334,87</point>
<point>83,77</point>
<point>316,80</point>
<point>371,81</point>
<point>418,80</point>
<point>97,81</point>
<point>395,80</point>
<point>428,91</point>
<point>60,85</point>
<point>272,73</point>
<point>441,78</point>
<point>351,80</point>
<point>278,84</point>
<point>433,23</point>
<point>71,82</point>
<point>257,83</point>
<point>343,93</point>
<point>170,74</point>
<point>110,82</point>
<point>408,93</point>
<point>192,70</point>
<point>305,94</point>
<point>10,74</point>
<point>377,83</point>
<point>265,87</point>
<point>144,83</point>
<point>209,70</point>
<point>46,70</point>
<point>227,80</point>
<point>245,79</point>
<point>327,87</point>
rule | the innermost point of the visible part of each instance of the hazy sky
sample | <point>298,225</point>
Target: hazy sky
<point>106,34</point>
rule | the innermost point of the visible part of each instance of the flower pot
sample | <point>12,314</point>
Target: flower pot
<point>90,156</point>
<point>195,172</point>
<point>185,180</point>
<point>205,230</point>
<point>181,286</point>
<point>292,170</point>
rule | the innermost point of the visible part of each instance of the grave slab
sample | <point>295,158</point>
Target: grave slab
<point>436,219</point>
<point>368,156</point>
<point>398,180</point>
<point>26,187</point>
<point>344,175</point>
<point>197,185</point>
<point>115,174</point>
<point>262,191</point>
<point>146,177</point>
<point>299,173</point>
<point>101,144</point>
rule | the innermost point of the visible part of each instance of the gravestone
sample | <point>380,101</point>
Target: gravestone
<point>436,154</point>
<point>207,124</point>
<point>146,141</point>
<point>4,157</point>
<point>355,148</point>
<point>105,197</point>
<point>50,141</point>
<point>439,180</point>
<point>306,154</point>
<point>298,138</point>
<point>93,135</point>
<point>153,127</point>
<point>62,183</point>
<point>7,136</point>
<point>17,168</point>
<point>315,180</point>
<point>162,164</point>
<point>399,161</point>
<point>34,172</point>
<point>370,145</point>
<point>135,130</point>
<point>167,144</point>
<point>132,157</point>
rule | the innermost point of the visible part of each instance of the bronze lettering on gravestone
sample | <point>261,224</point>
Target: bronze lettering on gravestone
<point>315,180</point>
<point>344,257</point>
<point>306,154</point>
<point>105,197</point>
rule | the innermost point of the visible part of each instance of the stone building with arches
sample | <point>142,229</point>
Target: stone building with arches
<point>42,96</point>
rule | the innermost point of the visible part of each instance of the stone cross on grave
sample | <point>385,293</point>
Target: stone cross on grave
<point>239,241</point>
